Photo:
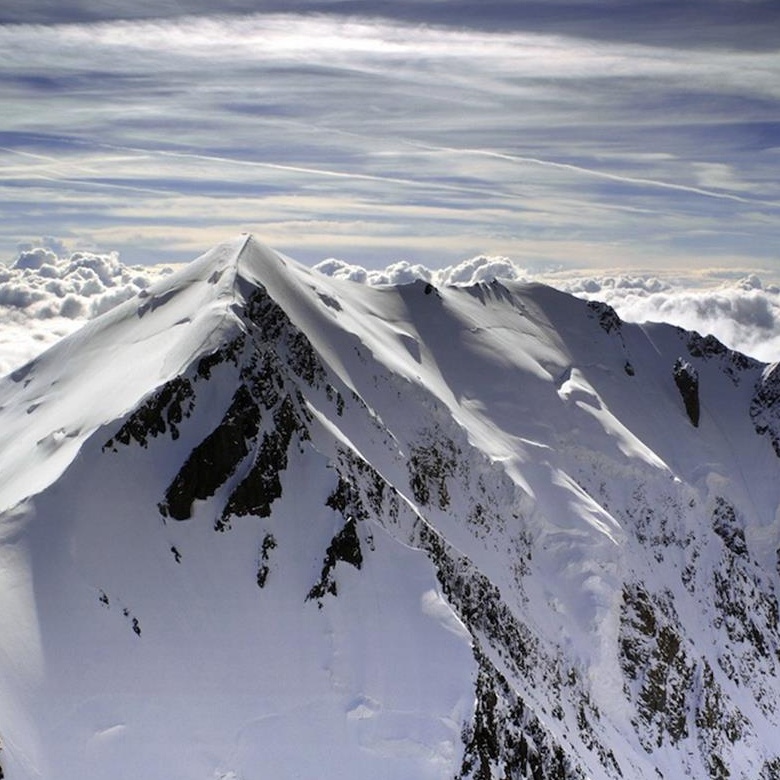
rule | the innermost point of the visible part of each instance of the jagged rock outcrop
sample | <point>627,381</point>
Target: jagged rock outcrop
<point>687,380</point>
<point>765,406</point>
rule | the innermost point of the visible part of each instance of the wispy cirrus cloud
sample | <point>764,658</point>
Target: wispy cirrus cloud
<point>747,24</point>
<point>374,139</point>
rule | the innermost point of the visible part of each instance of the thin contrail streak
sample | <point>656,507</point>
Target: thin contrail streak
<point>598,174</point>
<point>325,172</point>
<point>249,163</point>
<point>105,184</point>
<point>145,153</point>
<point>405,181</point>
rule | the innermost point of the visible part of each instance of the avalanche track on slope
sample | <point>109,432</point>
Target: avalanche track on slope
<point>260,522</point>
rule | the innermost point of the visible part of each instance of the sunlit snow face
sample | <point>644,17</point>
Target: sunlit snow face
<point>383,139</point>
<point>735,306</point>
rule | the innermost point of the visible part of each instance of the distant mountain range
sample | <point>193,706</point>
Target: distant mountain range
<point>257,522</point>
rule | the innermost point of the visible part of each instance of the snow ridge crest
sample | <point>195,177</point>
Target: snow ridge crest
<point>395,501</point>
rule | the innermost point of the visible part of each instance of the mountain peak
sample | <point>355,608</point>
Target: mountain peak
<point>50,406</point>
<point>457,532</point>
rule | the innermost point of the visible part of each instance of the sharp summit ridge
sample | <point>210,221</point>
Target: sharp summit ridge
<point>262,522</point>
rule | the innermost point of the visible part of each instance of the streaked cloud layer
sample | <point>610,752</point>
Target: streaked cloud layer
<point>647,141</point>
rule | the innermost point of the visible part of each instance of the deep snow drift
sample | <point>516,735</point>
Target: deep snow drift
<point>261,522</point>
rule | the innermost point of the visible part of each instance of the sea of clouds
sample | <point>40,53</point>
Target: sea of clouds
<point>742,312</point>
<point>48,292</point>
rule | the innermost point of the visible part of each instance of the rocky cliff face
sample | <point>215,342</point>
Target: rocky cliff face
<point>395,533</point>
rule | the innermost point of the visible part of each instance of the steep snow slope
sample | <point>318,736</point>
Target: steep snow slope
<point>261,522</point>
<point>51,405</point>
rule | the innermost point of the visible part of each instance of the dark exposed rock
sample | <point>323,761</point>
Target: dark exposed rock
<point>276,328</point>
<point>607,317</point>
<point>22,373</point>
<point>675,693</point>
<point>155,301</point>
<point>345,546</point>
<point>215,458</point>
<point>687,380</point>
<point>770,770</point>
<point>765,406</point>
<point>375,488</point>
<point>732,363</point>
<point>747,610</point>
<point>263,375</point>
<point>342,497</point>
<point>430,465</point>
<point>330,301</point>
<point>478,603</point>
<point>726,526</point>
<point>273,355</point>
<point>705,346</point>
<point>160,413</point>
<point>165,409</point>
<point>227,354</point>
<point>652,655</point>
<point>505,739</point>
<point>667,684</point>
<point>262,486</point>
<point>263,569</point>
<point>709,346</point>
<point>714,721</point>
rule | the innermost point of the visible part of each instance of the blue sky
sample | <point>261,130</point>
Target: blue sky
<point>578,134</point>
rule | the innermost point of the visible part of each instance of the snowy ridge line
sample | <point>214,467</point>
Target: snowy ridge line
<point>430,532</point>
<point>100,388</point>
<point>47,293</point>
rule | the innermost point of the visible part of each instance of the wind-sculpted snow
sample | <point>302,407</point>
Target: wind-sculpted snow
<point>418,531</point>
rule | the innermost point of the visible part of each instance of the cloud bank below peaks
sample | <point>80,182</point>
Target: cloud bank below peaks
<point>743,313</point>
<point>47,293</point>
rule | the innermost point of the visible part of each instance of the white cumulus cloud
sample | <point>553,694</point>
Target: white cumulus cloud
<point>47,293</point>
<point>742,313</point>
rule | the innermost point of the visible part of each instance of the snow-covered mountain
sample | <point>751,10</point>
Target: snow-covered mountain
<point>261,523</point>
